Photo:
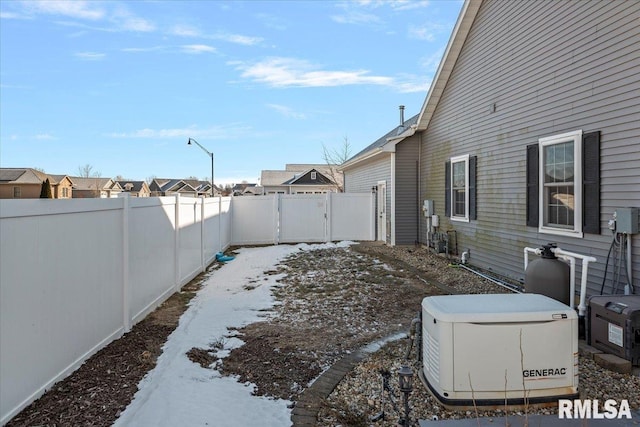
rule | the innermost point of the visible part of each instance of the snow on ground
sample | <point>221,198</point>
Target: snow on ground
<point>179,392</point>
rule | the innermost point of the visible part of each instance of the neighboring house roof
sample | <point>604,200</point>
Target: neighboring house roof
<point>242,187</point>
<point>81,183</point>
<point>294,171</point>
<point>23,176</point>
<point>302,179</point>
<point>180,185</point>
<point>383,140</point>
<point>28,176</point>
<point>135,186</point>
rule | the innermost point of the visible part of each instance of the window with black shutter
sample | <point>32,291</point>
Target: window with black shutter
<point>460,188</point>
<point>563,184</point>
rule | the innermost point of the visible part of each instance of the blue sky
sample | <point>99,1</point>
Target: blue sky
<point>121,86</point>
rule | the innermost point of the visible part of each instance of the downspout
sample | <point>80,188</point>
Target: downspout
<point>419,187</point>
<point>393,198</point>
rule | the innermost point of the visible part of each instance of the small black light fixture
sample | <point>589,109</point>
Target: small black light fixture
<point>405,381</point>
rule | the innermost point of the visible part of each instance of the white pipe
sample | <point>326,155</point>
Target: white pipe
<point>536,251</point>
<point>582,308</point>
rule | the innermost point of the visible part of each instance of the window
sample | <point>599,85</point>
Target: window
<point>314,175</point>
<point>16,192</point>
<point>563,184</point>
<point>560,198</point>
<point>460,188</point>
<point>65,192</point>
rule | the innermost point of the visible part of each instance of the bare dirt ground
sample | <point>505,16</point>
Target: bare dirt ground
<point>329,302</point>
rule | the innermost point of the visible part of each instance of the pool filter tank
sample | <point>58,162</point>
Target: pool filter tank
<point>548,276</point>
<point>492,350</point>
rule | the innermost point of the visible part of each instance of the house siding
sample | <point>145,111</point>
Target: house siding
<point>548,68</point>
<point>364,176</point>
<point>406,191</point>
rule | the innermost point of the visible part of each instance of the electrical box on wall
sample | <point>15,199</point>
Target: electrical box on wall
<point>627,220</point>
<point>427,208</point>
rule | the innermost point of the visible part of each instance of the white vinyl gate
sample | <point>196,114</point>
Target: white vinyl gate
<point>295,218</point>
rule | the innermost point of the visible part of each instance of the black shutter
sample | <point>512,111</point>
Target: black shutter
<point>532,185</point>
<point>447,188</point>
<point>473,160</point>
<point>591,182</point>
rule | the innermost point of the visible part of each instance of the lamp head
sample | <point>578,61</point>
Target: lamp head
<point>405,378</point>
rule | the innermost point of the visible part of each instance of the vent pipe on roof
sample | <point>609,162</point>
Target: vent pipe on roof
<point>401,127</point>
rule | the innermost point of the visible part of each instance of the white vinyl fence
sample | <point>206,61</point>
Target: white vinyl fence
<point>77,274</point>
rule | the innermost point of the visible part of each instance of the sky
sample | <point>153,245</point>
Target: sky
<point>121,86</point>
<point>179,392</point>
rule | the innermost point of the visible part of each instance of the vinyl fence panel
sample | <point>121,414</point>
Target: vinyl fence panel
<point>303,218</point>
<point>254,220</point>
<point>352,216</point>
<point>77,274</point>
<point>152,271</point>
<point>60,291</point>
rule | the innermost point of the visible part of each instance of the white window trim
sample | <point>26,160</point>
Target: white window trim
<point>314,175</point>
<point>453,160</point>
<point>576,137</point>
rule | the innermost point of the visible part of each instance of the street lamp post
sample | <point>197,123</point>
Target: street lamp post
<point>210,154</point>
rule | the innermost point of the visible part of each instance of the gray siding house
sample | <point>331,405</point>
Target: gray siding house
<point>389,167</point>
<point>530,133</point>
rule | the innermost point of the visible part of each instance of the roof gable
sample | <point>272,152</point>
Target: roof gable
<point>306,178</point>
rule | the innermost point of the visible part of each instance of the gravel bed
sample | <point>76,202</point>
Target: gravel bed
<point>330,302</point>
<point>359,397</point>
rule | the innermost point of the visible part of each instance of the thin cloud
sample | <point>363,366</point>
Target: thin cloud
<point>287,111</point>
<point>188,31</point>
<point>218,132</point>
<point>198,49</point>
<point>90,56</point>
<point>288,72</point>
<point>356,17</point>
<point>45,137</point>
<point>143,49</point>
<point>78,9</point>
<point>426,32</point>
<point>103,16</point>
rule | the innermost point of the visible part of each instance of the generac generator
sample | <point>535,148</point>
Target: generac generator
<point>496,350</point>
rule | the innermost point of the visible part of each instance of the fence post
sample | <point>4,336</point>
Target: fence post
<point>327,217</point>
<point>278,219</point>
<point>176,246</point>
<point>202,246</point>
<point>126,286</point>
<point>220,244</point>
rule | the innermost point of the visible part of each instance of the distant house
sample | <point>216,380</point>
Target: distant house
<point>301,179</point>
<point>26,183</point>
<point>389,168</point>
<point>246,188</point>
<point>87,188</point>
<point>184,187</point>
<point>135,188</point>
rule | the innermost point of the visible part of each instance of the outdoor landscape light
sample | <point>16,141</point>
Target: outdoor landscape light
<point>405,381</point>
<point>210,154</point>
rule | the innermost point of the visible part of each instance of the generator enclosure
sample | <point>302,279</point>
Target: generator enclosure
<point>491,349</point>
<point>614,325</point>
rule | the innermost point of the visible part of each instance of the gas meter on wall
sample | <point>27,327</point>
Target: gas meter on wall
<point>427,208</point>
